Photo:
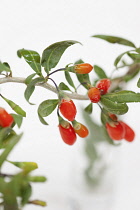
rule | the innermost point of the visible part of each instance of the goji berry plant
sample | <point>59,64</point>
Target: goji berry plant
<point>103,91</point>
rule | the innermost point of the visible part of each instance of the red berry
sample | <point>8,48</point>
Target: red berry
<point>116,132</point>
<point>83,68</point>
<point>129,133</point>
<point>67,133</point>
<point>81,130</point>
<point>6,119</point>
<point>68,109</point>
<point>94,94</point>
<point>103,85</point>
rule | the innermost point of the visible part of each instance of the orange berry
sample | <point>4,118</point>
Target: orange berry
<point>94,94</point>
<point>83,68</point>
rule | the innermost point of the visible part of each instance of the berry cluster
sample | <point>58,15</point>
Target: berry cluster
<point>102,86</point>
<point>6,120</point>
<point>118,130</point>
<point>68,131</point>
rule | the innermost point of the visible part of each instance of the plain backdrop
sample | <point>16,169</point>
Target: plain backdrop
<point>34,25</point>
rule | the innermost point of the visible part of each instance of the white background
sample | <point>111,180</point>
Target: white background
<point>35,25</point>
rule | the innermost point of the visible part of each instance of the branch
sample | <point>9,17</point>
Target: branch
<point>44,85</point>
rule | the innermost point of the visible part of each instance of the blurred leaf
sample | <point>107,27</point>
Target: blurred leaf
<point>89,108</point>
<point>26,192</point>
<point>13,141</point>
<point>15,107</point>
<point>115,39</point>
<point>100,72</point>
<point>52,54</point>
<point>37,179</point>
<point>4,67</point>
<point>63,86</point>
<point>32,58</point>
<point>69,79</point>
<point>134,56</point>
<point>113,106</point>
<point>29,78</point>
<point>84,80</point>
<point>138,83</point>
<point>38,202</point>
<point>31,87</point>
<point>79,61</point>
<point>17,119</point>
<point>25,166</point>
<point>123,96</point>
<point>4,132</point>
<point>47,107</point>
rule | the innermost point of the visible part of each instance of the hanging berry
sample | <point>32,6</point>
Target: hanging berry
<point>68,109</point>
<point>129,133</point>
<point>80,129</point>
<point>83,68</point>
<point>94,94</point>
<point>103,85</point>
<point>6,119</point>
<point>116,131</point>
<point>67,132</point>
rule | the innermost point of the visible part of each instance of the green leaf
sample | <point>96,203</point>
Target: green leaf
<point>15,107</point>
<point>32,58</point>
<point>25,166</point>
<point>123,96</point>
<point>4,132</point>
<point>42,120</point>
<point>47,107</point>
<point>37,179</point>
<point>100,72</point>
<point>134,56</point>
<point>69,79</point>
<point>113,106</point>
<point>117,60</point>
<point>138,83</point>
<point>89,108</point>
<point>17,119</point>
<point>31,87</point>
<point>84,80</point>
<point>13,141</point>
<point>52,54</point>
<point>63,86</point>
<point>29,78</point>
<point>79,61</point>
<point>4,67</point>
<point>115,39</point>
<point>38,202</point>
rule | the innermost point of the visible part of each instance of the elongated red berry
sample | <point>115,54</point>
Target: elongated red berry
<point>83,68</point>
<point>68,109</point>
<point>6,119</point>
<point>103,85</point>
<point>67,133</point>
<point>81,130</point>
<point>94,94</point>
<point>116,131</point>
<point>129,133</point>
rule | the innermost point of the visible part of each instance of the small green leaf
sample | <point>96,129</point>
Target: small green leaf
<point>26,192</point>
<point>29,78</point>
<point>4,132</point>
<point>134,56</point>
<point>37,179</point>
<point>79,61</point>
<point>52,54</point>
<point>117,60</point>
<point>4,67</point>
<point>25,166</point>
<point>17,119</point>
<point>63,86</point>
<point>89,108</point>
<point>42,120</point>
<point>115,39</point>
<point>69,79</point>
<point>113,106</point>
<point>124,96</point>
<point>31,87</point>
<point>84,80</point>
<point>100,72</point>
<point>15,107</point>
<point>38,202</point>
<point>13,141</point>
<point>138,83</point>
<point>32,58</point>
<point>47,107</point>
